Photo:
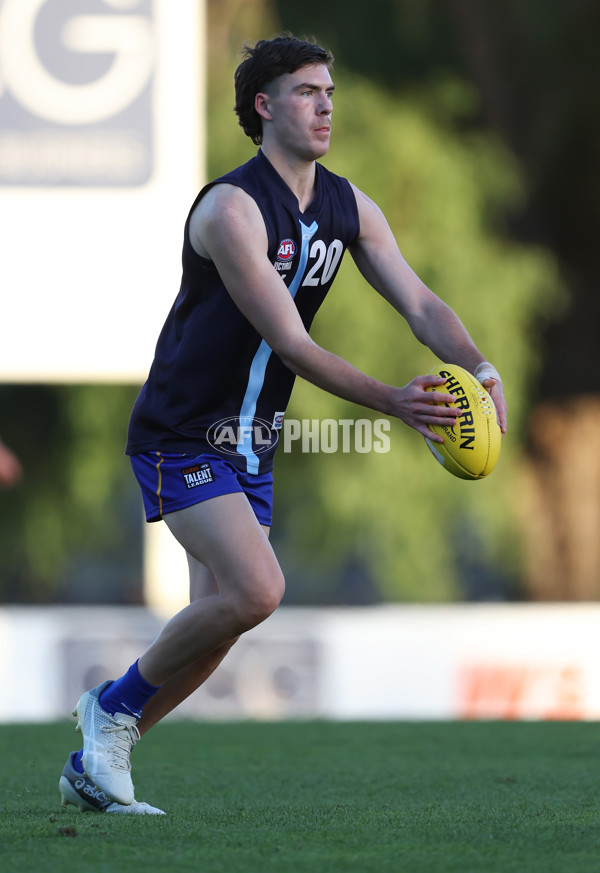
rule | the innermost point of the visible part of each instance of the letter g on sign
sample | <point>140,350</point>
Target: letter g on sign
<point>126,38</point>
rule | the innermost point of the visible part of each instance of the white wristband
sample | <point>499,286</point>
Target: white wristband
<point>485,370</point>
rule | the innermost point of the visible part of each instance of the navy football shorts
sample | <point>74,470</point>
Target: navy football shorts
<point>172,481</point>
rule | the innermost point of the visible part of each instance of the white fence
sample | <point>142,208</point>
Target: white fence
<point>390,662</point>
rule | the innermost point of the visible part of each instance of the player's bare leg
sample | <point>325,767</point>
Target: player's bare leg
<point>187,680</point>
<point>224,535</point>
<point>79,790</point>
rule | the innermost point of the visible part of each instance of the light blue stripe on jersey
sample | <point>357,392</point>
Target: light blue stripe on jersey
<point>259,364</point>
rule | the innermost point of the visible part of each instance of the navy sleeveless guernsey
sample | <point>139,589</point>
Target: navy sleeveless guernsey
<point>213,375</point>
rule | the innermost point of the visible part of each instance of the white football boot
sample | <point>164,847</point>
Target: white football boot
<point>107,744</point>
<point>76,789</point>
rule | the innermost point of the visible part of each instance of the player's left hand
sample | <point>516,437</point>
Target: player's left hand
<point>496,391</point>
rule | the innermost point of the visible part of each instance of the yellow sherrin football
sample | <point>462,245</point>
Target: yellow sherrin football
<point>471,448</point>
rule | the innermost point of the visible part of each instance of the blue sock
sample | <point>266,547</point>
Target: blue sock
<point>77,763</point>
<point>128,694</point>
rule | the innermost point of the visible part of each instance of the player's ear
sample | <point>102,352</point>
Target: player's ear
<point>261,105</point>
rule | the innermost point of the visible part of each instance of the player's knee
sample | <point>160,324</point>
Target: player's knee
<point>259,601</point>
<point>270,597</point>
<point>264,599</point>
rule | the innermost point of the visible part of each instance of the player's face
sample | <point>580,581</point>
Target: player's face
<point>299,107</point>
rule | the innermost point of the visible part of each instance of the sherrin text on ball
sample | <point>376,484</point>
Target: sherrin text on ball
<point>471,448</point>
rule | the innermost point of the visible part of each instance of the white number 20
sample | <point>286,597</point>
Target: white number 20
<point>327,258</point>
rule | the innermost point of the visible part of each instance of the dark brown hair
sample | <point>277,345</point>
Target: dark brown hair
<point>264,62</point>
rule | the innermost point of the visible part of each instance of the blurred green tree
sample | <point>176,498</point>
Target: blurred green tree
<point>535,70</point>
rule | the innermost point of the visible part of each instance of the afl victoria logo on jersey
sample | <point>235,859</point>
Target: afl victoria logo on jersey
<point>286,250</point>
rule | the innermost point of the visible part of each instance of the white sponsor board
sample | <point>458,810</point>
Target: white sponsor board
<point>101,153</point>
<point>392,662</point>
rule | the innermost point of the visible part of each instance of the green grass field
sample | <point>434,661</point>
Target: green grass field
<point>317,796</point>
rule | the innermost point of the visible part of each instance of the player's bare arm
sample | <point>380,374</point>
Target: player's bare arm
<point>432,321</point>
<point>227,227</point>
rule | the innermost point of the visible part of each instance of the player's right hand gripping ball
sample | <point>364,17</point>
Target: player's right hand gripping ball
<point>471,448</point>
